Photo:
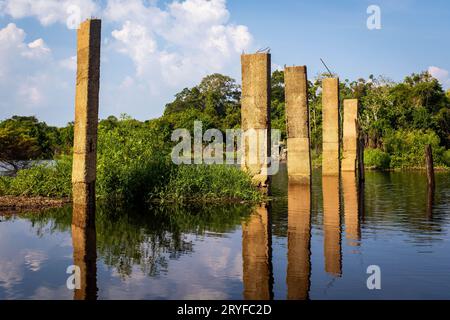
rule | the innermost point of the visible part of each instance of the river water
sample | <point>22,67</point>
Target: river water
<point>309,243</point>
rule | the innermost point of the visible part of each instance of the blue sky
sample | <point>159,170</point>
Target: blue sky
<point>152,49</point>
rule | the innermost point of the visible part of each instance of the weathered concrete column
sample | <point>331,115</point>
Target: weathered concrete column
<point>331,225</point>
<point>330,126</point>
<point>299,238</point>
<point>85,257</point>
<point>255,115</point>
<point>257,255</point>
<point>350,138</point>
<point>351,208</point>
<point>297,119</point>
<point>86,121</point>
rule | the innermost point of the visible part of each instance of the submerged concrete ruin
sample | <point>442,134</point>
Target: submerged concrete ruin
<point>297,122</point>
<point>255,116</point>
<point>330,127</point>
<point>86,122</point>
<point>350,138</point>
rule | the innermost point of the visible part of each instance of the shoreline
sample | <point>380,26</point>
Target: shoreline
<point>20,204</point>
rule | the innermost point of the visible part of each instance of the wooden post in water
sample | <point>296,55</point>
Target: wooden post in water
<point>361,174</point>
<point>429,165</point>
<point>430,180</point>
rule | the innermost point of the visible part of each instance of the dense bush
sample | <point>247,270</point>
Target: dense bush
<point>132,160</point>
<point>407,148</point>
<point>134,165</point>
<point>209,182</point>
<point>376,159</point>
<point>446,158</point>
<point>48,179</point>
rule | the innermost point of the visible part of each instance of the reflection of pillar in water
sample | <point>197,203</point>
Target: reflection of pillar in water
<point>257,255</point>
<point>85,257</point>
<point>331,225</point>
<point>299,235</point>
<point>351,210</point>
<point>430,200</point>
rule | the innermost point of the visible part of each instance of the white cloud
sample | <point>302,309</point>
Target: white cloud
<point>47,11</point>
<point>183,42</point>
<point>440,74</point>
<point>13,46</point>
<point>136,42</point>
<point>169,47</point>
<point>37,48</point>
<point>30,77</point>
<point>69,63</point>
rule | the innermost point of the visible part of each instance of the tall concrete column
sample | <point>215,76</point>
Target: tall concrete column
<point>332,225</point>
<point>257,255</point>
<point>350,135</point>
<point>299,238</point>
<point>330,126</point>
<point>86,121</point>
<point>297,119</point>
<point>351,208</point>
<point>255,115</point>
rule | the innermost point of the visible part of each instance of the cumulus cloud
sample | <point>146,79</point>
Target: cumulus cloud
<point>184,41</point>
<point>48,11</point>
<point>29,75</point>
<point>150,52</point>
<point>440,74</point>
<point>16,54</point>
<point>13,46</point>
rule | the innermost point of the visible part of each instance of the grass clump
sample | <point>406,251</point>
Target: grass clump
<point>208,183</point>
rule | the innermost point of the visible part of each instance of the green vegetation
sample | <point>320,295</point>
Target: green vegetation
<point>134,166</point>
<point>376,159</point>
<point>49,180</point>
<point>397,121</point>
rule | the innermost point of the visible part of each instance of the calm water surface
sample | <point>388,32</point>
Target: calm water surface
<point>307,244</point>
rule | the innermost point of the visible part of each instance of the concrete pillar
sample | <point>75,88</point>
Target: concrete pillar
<point>257,255</point>
<point>255,115</point>
<point>297,119</point>
<point>350,136</point>
<point>351,208</point>
<point>86,119</point>
<point>299,238</point>
<point>331,225</point>
<point>85,257</point>
<point>330,126</point>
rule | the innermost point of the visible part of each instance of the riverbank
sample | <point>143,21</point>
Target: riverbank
<point>19,204</point>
